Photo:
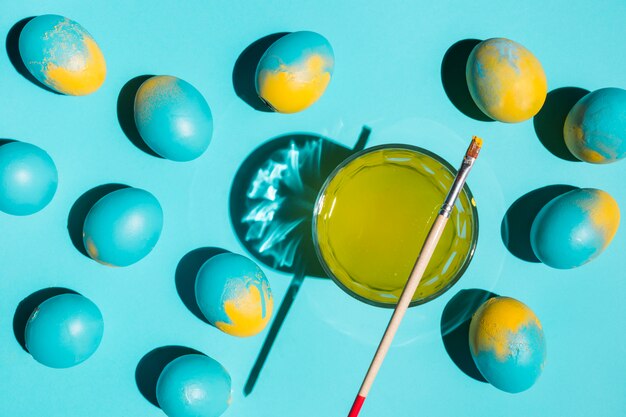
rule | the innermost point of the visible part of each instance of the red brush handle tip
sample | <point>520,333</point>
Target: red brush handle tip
<point>356,406</point>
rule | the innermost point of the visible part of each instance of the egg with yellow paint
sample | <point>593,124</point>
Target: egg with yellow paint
<point>62,55</point>
<point>234,294</point>
<point>506,80</point>
<point>507,344</point>
<point>294,71</point>
<point>574,228</point>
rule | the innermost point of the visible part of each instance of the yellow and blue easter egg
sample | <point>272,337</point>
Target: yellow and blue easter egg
<point>64,331</point>
<point>507,344</point>
<point>62,55</point>
<point>123,227</point>
<point>295,71</point>
<point>173,118</point>
<point>28,178</point>
<point>194,385</point>
<point>595,128</point>
<point>234,294</point>
<point>506,80</point>
<point>574,228</point>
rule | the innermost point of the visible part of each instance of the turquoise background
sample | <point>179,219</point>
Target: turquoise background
<point>387,76</point>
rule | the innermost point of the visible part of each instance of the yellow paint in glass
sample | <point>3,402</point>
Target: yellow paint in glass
<point>246,313</point>
<point>373,216</point>
<point>85,79</point>
<point>499,318</point>
<point>291,89</point>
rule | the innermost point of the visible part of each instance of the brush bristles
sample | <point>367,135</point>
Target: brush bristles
<point>474,147</point>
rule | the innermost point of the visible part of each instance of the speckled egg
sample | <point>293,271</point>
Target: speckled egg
<point>194,385</point>
<point>28,178</point>
<point>64,331</point>
<point>62,55</point>
<point>507,344</point>
<point>123,227</point>
<point>506,80</point>
<point>595,128</point>
<point>574,228</point>
<point>173,118</point>
<point>295,71</point>
<point>234,294</point>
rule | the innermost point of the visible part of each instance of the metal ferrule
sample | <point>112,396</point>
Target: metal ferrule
<point>457,186</point>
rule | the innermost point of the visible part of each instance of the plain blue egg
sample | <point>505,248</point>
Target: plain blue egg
<point>28,178</point>
<point>62,55</point>
<point>574,228</point>
<point>595,128</point>
<point>193,386</point>
<point>123,227</point>
<point>64,331</point>
<point>173,118</point>
<point>234,294</point>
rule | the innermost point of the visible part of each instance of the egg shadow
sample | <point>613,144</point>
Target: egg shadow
<point>454,81</point>
<point>5,141</point>
<point>291,221</point>
<point>80,209</point>
<point>126,114</point>
<point>28,305</point>
<point>550,120</point>
<point>186,274</point>
<point>518,219</point>
<point>455,324</point>
<point>244,71</point>
<point>12,45</point>
<point>151,366</point>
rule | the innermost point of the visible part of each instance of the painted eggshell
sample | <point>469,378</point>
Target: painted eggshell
<point>595,128</point>
<point>295,71</point>
<point>507,344</point>
<point>64,331</point>
<point>62,55</point>
<point>173,118</point>
<point>234,294</point>
<point>194,385</point>
<point>123,227</point>
<point>506,80</point>
<point>28,178</point>
<point>574,228</point>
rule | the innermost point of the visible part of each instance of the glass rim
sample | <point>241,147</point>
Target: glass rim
<point>445,164</point>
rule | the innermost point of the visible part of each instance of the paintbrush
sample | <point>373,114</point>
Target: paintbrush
<point>432,239</point>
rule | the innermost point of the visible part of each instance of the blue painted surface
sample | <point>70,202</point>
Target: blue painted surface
<point>194,385</point>
<point>328,338</point>
<point>123,227</point>
<point>173,118</point>
<point>28,178</point>
<point>574,228</point>
<point>64,331</point>
<point>595,128</point>
<point>234,294</point>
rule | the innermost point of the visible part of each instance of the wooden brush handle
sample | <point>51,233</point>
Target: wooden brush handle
<point>403,304</point>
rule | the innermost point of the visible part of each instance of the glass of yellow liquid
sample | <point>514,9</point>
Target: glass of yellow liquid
<point>371,218</point>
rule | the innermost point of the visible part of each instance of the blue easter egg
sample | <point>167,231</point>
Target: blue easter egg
<point>64,331</point>
<point>61,54</point>
<point>595,128</point>
<point>574,228</point>
<point>194,385</point>
<point>28,178</point>
<point>234,294</point>
<point>295,71</point>
<point>507,344</point>
<point>506,80</point>
<point>123,227</point>
<point>173,118</point>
